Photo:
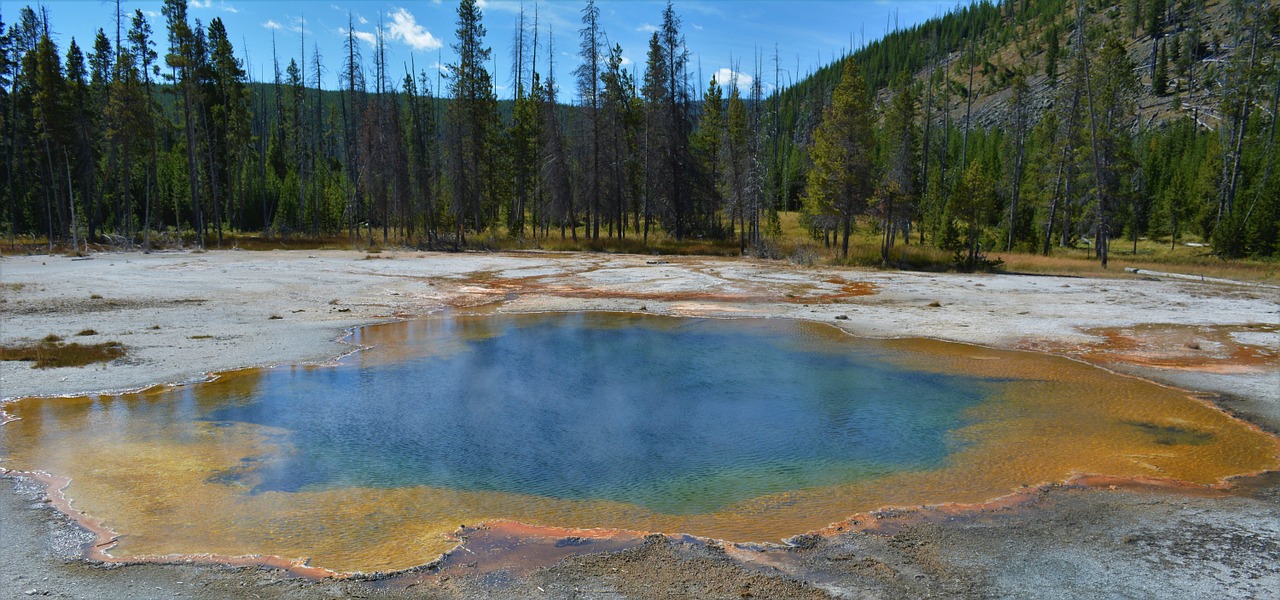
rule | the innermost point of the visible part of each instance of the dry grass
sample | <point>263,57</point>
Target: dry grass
<point>87,332</point>
<point>633,244</point>
<point>1191,261</point>
<point>52,352</point>
<point>794,245</point>
<point>247,241</point>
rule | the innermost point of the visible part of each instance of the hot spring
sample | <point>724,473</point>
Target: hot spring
<point>744,430</point>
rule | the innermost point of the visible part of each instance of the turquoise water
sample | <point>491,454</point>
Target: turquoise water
<point>680,416</point>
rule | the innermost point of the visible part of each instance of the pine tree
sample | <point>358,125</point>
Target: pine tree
<point>708,141</point>
<point>732,159</point>
<point>228,104</point>
<point>1160,81</point>
<point>1051,51</point>
<point>972,202</point>
<point>682,215</point>
<point>184,59</point>
<point>841,181</point>
<point>90,166</point>
<point>421,129</point>
<point>658,184</point>
<point>555,165</point>
<point>588,74</point>
<point>144,114</point>
<point>1155,18</point>
<point>353,106</point>
<point>523,134</point>
<point>48,90</point>
<point>1019,106</point>
<point>620,161</point>
<point>898,196</point>
<point>472,129</point>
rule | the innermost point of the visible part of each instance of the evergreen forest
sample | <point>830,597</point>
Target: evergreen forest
<point>1026,126</point>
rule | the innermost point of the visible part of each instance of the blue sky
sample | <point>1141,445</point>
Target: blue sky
<point>722,35</point>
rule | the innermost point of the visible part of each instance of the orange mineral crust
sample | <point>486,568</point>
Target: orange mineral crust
<point>174,487</point>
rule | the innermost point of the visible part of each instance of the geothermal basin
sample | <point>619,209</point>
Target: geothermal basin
<point>743,430</point>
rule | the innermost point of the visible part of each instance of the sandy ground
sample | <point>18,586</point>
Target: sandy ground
<point>185,315</point>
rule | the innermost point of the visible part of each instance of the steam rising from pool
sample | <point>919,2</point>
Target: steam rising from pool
<point>744,430</point>
<point>679,416</point>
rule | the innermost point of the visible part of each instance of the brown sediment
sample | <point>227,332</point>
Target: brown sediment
<point>891,520</point>
<point>1205,348</point>
<point>521,548</point>
<point>491,284</point>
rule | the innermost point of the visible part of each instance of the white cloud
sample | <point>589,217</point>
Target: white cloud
<point>647,28</point>
<point>626,60</point>
<point>220,5</point>
<point>293,24</point>
<point>726,77</point>
<point>405,27</point>
<point>362,20</point>
<point>367,37</point>
<point>697,27</point>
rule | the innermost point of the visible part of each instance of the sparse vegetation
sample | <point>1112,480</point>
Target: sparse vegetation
<point>87,332</point>
<point>51,352</point>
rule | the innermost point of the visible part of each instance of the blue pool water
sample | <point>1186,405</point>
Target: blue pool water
<point>680,416</point>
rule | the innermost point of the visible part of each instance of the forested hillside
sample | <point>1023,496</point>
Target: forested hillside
<point>1028,125</point>
<point>1182,125</point>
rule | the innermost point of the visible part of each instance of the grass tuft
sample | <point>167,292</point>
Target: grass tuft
<point>52,352</point>
<point>87,332</point>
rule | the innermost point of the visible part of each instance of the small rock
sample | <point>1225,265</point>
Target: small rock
<point>842,317</point>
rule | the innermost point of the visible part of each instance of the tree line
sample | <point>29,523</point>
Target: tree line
<point>138,137</point>
<point>1069,160</point>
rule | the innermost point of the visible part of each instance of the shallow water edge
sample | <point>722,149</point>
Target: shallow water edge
<point>982,361</point>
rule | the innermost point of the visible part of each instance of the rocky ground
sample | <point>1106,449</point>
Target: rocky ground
<point>184,315</point>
